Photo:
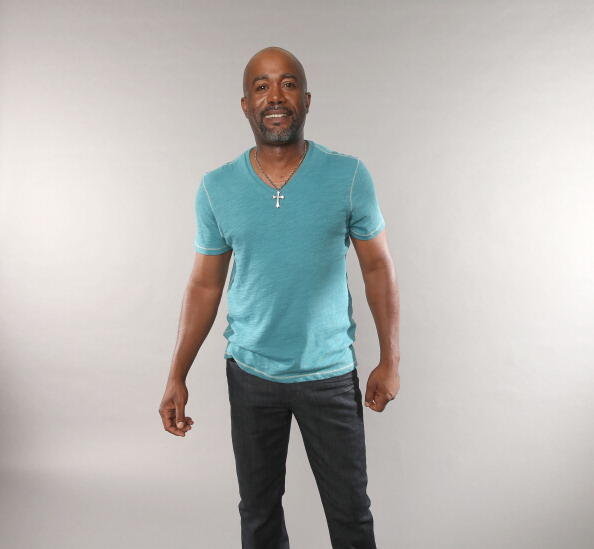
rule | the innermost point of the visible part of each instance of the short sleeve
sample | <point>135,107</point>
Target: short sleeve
<point>366,220</point>
<point>208,239</point>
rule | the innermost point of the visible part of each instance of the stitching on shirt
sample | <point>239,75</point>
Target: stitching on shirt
<point>376,228</point>
<point>213,213</point>
<point>205,248</point>
<point>352,183</point>
<point>287,377</point>
<point>336,153</point>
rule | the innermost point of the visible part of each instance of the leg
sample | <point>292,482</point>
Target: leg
<point>330,416</point>
<point>260,427</point>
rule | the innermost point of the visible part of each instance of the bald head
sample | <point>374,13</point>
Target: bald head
<point>271,56</point>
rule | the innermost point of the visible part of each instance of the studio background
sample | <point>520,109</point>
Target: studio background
<point>476,121</point>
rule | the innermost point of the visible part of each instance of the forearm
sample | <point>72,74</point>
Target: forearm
<point>383,297</point>
<point>198,313</point>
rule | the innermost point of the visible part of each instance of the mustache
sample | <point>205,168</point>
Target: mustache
<point>276,111</point>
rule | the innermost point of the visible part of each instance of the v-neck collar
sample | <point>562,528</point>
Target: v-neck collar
<point>298,172</point>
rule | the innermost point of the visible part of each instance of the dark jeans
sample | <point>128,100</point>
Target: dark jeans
<point>329,413</point>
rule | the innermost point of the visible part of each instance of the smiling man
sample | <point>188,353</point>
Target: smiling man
<point>287,210</point>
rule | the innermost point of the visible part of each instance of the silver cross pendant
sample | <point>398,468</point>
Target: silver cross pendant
<point>277,197</point>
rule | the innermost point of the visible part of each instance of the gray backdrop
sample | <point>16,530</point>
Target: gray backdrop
<point>476,120</point>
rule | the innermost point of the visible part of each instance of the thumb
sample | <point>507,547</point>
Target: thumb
<point>180,415</point>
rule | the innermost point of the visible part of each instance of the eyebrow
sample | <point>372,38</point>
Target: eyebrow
<point>266,77</point>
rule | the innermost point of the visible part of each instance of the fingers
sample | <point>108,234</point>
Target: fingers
<point>379,403</point>
<point>376,401</point>
<point>382,387</point>
<point>169,417</point>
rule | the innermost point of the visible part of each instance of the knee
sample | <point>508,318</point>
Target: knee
<point>351,511</point>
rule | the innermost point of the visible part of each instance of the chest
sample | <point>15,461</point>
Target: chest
<point>308,211</point>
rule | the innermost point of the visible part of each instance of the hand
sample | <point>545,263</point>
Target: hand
<point>382,386</point>
<point>172,407</point>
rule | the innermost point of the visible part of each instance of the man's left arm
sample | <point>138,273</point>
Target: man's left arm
<point>383,297</point>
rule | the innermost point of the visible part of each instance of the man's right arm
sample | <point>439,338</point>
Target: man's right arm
<point>199,310</point>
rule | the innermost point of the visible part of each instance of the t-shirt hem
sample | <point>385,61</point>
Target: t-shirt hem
<point>211,251</point>
<point>370,235</point>
<point>332,371</point>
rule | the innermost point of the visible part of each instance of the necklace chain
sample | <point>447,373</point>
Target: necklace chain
<point>290,175</point>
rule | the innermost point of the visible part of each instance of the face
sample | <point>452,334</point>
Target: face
<point>275,85</point>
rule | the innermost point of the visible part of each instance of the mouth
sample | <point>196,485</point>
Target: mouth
<point>276,115</point>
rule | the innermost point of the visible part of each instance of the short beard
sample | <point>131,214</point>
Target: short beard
<point>284,135</point>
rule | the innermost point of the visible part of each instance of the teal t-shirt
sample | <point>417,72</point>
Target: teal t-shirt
<point>288,301</point>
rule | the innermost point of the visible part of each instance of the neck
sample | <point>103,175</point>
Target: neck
<point>279,156</point>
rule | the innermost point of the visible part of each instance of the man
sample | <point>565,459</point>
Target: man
<point>286,208</point>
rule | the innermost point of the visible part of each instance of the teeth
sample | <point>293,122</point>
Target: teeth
<point>274,115</point>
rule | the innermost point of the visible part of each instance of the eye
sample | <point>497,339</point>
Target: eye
<point>291,84</point>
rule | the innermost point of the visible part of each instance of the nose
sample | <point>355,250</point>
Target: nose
<point>275,94</point>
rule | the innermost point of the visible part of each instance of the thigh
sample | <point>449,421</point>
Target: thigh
<point>260,428</point>
<point>330,416</point>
